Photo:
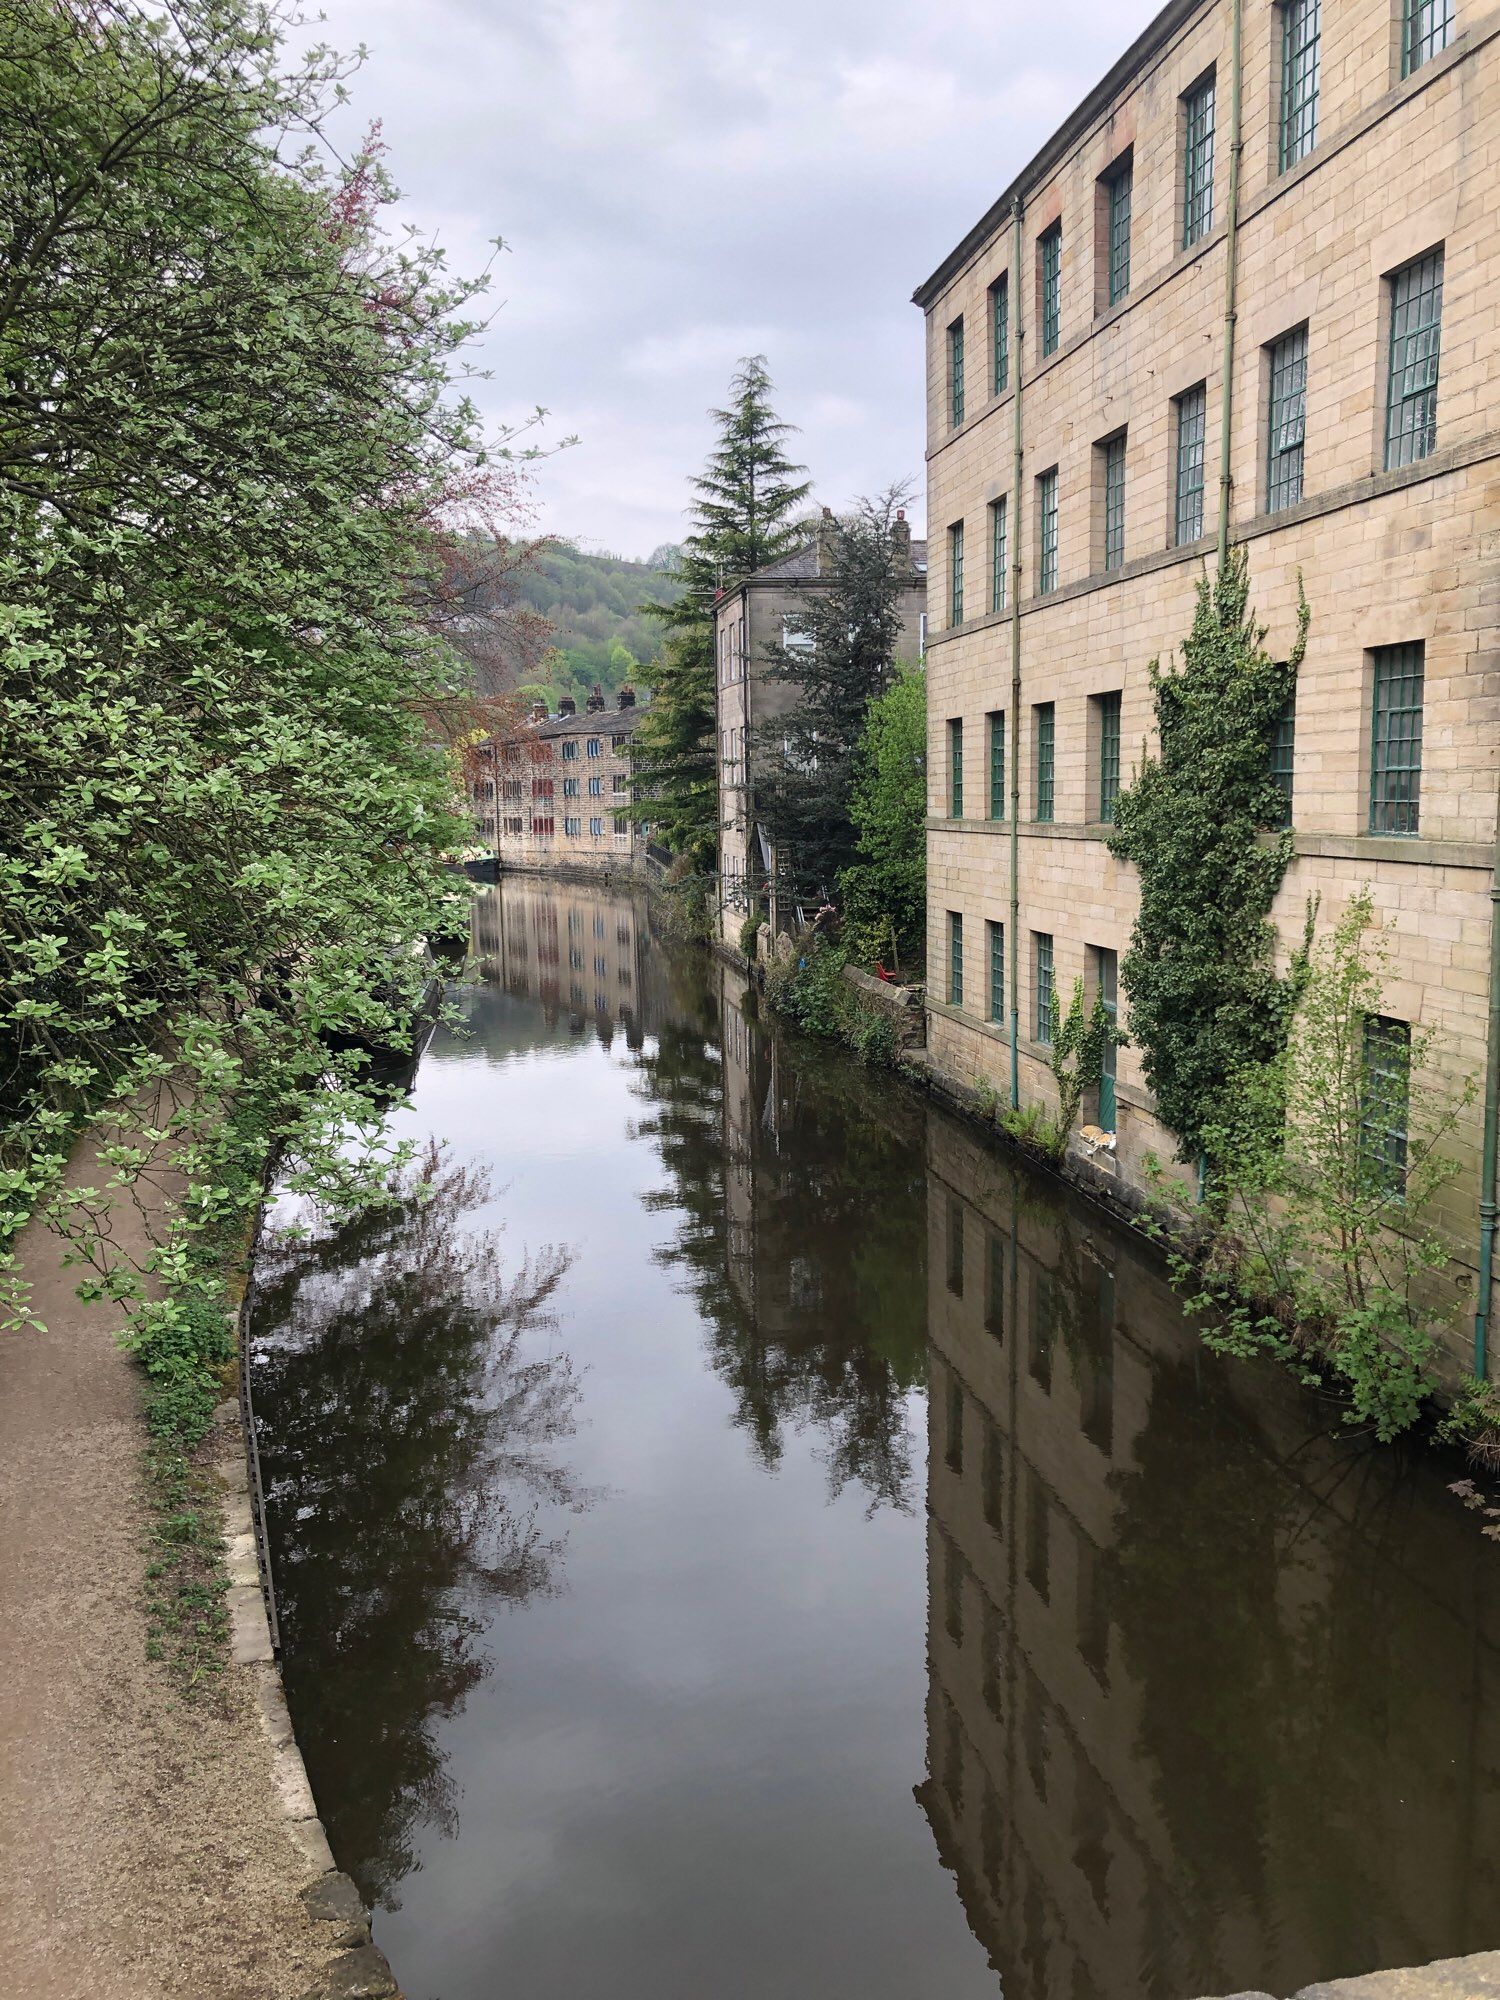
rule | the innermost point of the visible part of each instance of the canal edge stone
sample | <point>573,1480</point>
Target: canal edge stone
<point>360,1971</point>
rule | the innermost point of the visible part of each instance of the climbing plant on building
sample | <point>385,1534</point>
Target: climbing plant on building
<point>1203,821</point>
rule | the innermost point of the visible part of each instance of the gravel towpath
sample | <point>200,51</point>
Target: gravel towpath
<point>141,1851</point>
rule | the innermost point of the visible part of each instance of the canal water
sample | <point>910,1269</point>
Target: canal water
<point>739,1537</point>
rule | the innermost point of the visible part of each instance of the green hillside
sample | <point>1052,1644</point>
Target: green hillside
<point>592,603</point>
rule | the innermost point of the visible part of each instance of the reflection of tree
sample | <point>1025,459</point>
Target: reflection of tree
<point>816,1315</point>
<point>406,1439</point>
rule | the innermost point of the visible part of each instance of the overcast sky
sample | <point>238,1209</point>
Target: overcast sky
<point>682,182</point>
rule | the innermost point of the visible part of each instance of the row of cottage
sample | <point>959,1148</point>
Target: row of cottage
<point>1247,294</point>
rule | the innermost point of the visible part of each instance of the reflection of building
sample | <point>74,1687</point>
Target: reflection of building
<point>1196,1721</point>
<point>1362,450</point>
<point>554,795</point>
<point>761,614</point>
<point>581,951</point>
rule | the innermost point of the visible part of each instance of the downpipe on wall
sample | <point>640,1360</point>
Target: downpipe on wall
<point>1018,359</point>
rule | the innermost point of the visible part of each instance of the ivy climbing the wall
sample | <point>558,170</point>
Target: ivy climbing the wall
<point>1203,823</point>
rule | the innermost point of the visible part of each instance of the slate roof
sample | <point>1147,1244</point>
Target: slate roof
<point>801,566</point>
<point>603,722</point>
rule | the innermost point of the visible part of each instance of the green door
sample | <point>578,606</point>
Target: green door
<point>1108,992</point>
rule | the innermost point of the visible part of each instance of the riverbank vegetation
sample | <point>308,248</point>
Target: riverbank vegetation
<point>234,462</point>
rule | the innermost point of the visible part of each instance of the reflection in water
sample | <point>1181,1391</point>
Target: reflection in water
<point>1207,1706</point>
<point>412,1430</point>
<point>801,1233</point>
<point>1210,1691</point>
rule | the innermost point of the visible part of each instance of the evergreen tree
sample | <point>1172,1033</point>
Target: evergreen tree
<point>841,658</point>
<point>746,498</point>
<point>884,893</point>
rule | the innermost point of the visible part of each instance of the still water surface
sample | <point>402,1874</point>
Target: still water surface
<point>744,1538</point>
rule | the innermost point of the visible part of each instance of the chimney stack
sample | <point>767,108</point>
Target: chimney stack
<point>827,533</point>
<point>539,711</point>
<point>595,701</point>
<point>626,697</point>
<point>567,706</point>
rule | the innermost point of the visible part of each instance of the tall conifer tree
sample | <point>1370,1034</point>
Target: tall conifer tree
<point>745,501</point>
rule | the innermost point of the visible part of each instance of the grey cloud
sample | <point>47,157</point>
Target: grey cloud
<point>682,183</point>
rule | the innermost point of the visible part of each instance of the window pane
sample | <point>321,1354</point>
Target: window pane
<point>1051,248</point>
<point>1114,503</point>
<point>1045,718</point>
<point>1283,754</point>
<point>956,574</point>
<point>1429,23</point>
<point>1047,504</point>
<point>955,959</point>
<point>1109,754</point>
<point>955,769</point>
<point>1299,80</point>
<point>1383,1106</point>
<point>999,547</point>
<point>956,372</point>
<point>999,335</point>
<point>997,970</point>
<point>1198,164</point>
<point>1396,740</point>
<point>997,763</point>
<point>1043,943</point>
<point>1288,421</point>
<point>1192,413</point>
<point>1416,332</point>
<point>1119,234</point>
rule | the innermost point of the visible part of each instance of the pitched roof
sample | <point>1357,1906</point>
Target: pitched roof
<point>603,722</point>
<point>801,566</point>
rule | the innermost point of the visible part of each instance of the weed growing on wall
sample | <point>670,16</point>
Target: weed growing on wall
<point>1202,822</point>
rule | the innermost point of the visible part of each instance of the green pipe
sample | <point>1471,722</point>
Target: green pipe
<point>1489,1212</point>
<point>1018,356</point>
<point>1231,274</point>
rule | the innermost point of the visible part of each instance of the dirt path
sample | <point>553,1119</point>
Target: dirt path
<point>141,1853</point>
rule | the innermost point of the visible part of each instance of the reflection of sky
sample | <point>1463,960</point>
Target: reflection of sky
<point>690,1772</point>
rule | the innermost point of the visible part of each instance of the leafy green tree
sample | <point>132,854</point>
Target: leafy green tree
<point>230,471</point>
<point>1204,824</point>
<point>746,501</point>
<point>884,891</point>
<point>841,659</point>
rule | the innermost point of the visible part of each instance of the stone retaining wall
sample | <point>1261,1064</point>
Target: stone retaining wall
<point>902,1005</point>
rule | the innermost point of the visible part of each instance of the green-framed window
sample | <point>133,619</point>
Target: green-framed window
<point>999,296</point>
<point>955,958</point>
<point>995,935</point>
<point>1044,740</point>
<point>1049,249</point>
<point>1042,984</point>
<point>1046,515</point>
<point>955,767</point>
<point>1301,29</point>
<point>956,373</point>
<point>956,574</point>
<point>1117,274</point>
<point>1416,338</point>
<point>999,554</point>
<point>1192,431</point>
<point>1198,162</point>
<point>996,722</point>
<point>1287,428</point>
<point>1114,502</point>
<point>1107,977</point>
<point>1107,707</point>
<point>1284,754</point>
<point>1426,28</point>
<point>1384,1101</point>
<point>1396,739</point>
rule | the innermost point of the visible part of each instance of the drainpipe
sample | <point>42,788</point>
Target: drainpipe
<point>1231,272</point>
<point>1018,357</point>
<point>1489,1211</point>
